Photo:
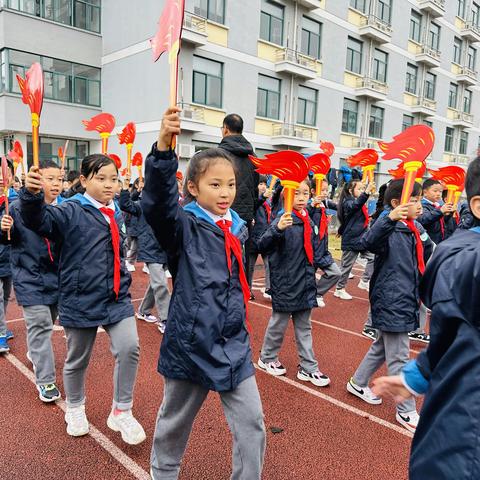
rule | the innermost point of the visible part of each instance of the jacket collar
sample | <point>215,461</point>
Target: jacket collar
<point>85,202</point>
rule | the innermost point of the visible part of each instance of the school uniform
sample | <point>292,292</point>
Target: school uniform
<point>87,284</point>
<point>433,221</point>
<point>445,444</point>
<point>467,220</point>
<point>206,344</point>
<point>131,224</point>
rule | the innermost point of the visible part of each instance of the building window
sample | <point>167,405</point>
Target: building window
<point>350,116</point>
<point>207,82</point>
<point>411,80</point>
<point>457,50</point>
<point>415,26</point>
<point>268,97</point>
<point>380,62</point>
<point>63,81</point>
<point>212,9</point>
<point>3,71</point>
<point>449,139</point>
<point>462,149</point>
<point>475,14</point>
<point>461,8</point>
<point>375,129</point>
<point>271,22</point>
<point>428,123</point>
<point>84,14</point>
<point>434,36</point>
<point>359,5</point>
<point>307,106</point>
<point>453,95</point>
<point>430,85</point>
<point>467,101</point>
<point>311,38</point>
<point>384,10</point>
<point>407,122</point>
<point>472,58</point>
<point>354,55</point>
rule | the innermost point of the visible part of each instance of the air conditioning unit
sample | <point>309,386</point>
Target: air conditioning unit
<point>186,150</point>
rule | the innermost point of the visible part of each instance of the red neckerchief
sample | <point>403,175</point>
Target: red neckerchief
<point>365,214</point>
<point>323,222</point>
<point>268,209</point>
<point>442,221</point>
<point>2,200</point>
<point>307,233</point>
<point>116,248</point>
<point>232,245</point>
<point>456,216</point>
<point>418,245</point>
<point>49,249</point>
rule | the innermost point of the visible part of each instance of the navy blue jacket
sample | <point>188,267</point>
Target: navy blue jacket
<point>353,225</point>
<point>5,248</point>
<point>394,286</point>
<point>149,251</point>
<point>206,340</point>
<point>446,444</point>
<point>450,225</point>
<point>292,276</point>
<point>467,220</point>
<point>131,221</point>
<point>316,216</point>
<point>430,220</point>
<point>34,262</point>
<point>86,296</point>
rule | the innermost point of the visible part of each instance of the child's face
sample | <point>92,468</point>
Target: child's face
<point>324,191</point>
<point>358,189</point>
<point>66,185</point>
<point>216,188</point>
<point>433,193</point>
<point>415,210</point>
<point>302,194</point>
<point>262,188</point>
<point>10,178</point>
<point>52,183</point>
<point>102,185</point>
<point>17,185</point>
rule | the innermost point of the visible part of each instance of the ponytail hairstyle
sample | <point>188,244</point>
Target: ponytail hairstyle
<point>394,191</point>
<point>199,164</point>
<point>345,194</point>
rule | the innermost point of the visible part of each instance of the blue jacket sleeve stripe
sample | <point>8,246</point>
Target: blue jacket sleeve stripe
<point>413,379</point>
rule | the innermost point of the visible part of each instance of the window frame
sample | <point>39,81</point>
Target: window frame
<point>408,79</point>
<point>306,103</point>
<point>413,34</point>
<point>376,121</point>
<point>349,115</point>
<point>351,53</point>
<point>207,76</point>
<point>310,34</point>
<point>270,16</point>
<point>268,93</point>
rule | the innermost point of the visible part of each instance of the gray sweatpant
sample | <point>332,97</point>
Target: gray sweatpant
<point>392,349</point>
<point>252,260</point>
<point>132,249</point>
<point>5,289</point>
<point>39,320</point>
<point>275,334</point>
<point>424,313</point>
<point>125,349</point>
<point>330,277</point>
<point>182,401</point>
<point>348,259</point>
<point>157,293</point>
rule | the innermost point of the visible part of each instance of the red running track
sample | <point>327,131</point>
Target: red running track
<point>325,433</point>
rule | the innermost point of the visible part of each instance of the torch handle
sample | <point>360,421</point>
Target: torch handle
<point>173,90</point>
<point>129,158</point>
<point>288,196</point>
<point>104,136</point>
<point>140,176</point>
<point>451,194</point>
<point>35,146</point>
<point>7,210</point>
<point>408,186</point>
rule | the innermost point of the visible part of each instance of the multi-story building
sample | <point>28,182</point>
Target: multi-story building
<point>298,71</point>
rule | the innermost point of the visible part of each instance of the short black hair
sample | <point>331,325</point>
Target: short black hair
<point>91,164</point>
<point>73,175</point>
<point>262,179</point>
<point>234,123</point>
<point>430,182</point>
<point>395,189</point>
<point>48,164</point>
<point>472,182</point>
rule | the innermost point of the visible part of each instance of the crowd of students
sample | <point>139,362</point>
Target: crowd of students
<point>68,247</point>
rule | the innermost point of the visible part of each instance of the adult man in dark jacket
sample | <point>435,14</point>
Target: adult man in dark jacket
<point>247,179</point>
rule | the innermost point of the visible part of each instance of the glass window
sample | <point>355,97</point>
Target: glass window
<point>461,8</point>
<point>453,95</point>
<point>434,36</point>
<point>307,106</point>
<point>472,58</point>
<point>359,5</point>
<point>207,82</point>
<point>462,150</point>
<point>384,10</point>
<point>449,139</point>
<point>268,97</point>
<point>86,14</point>
<point>375,129</point>
<point>3,71</point>
<point>415,26</point>
<point>430,85</point>
<point>428,123</point>
<point>271,22</point>
<point>350,116</point>
<point>212,9</point>
<point>467,101</point>
<point>457,50</point>
<point>311,37</point>
<point>380,62</point>
<point>411,80</point>
<point>407,122</point>
<point>475,14</point>
<point>354,55</point>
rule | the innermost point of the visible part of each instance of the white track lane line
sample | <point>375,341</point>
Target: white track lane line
<point>340,404</point>
<point>128,463</point>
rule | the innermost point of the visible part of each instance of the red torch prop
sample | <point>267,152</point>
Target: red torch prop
<point>5,180</point>
<point>116,159</point>
<point>138,162</point>
<point>367,159</point>
<point>412,146</point>
<point>62,155</point>
<point>399,172</point>
<point>289,166</point>
<point>319,164</point>
<point>453,178</point>
<point>16,155</point>
<point>32,95</point>
<point>127,137</point>
<point>327,148</point>
<point>103,123</point>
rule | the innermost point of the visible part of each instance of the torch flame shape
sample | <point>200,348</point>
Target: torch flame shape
<point>32,88</point>
<point>399,172</point>
<point>102,123</point>
<point>327,148</point>
<point>319,164</point>
<point>367,159</point>
<point>127,136</point>
<point>16,154</point>
<point>116,159</point>
<point>452,177</point>
<point>137,161</point>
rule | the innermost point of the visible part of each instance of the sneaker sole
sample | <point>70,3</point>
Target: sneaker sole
<point>81,433</point>
<point>322,383</point>
<point>367,335</point>
<point>144,319</point>
<point>48,400</point>
<point>113,427</point>
<point>351,390</point>
<point>404,424</point>
<point>342,298</point>
<point>418,340</point>
<point>263,367</point>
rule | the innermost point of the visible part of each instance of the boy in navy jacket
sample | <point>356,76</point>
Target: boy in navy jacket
<point>446,444</point>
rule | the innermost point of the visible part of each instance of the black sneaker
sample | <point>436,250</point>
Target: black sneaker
<point>419,337</point>
<point>370,333</point>
<point>48,393</point>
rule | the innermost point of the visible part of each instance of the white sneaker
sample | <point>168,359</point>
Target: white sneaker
<point>364,285</point>
<point>408,420</point>
<point>162,325</point>
<point>318,378</point>
<point>363,392</point>
<point>351,275</point>
<point>266,296</point>
<point>168,274</point>
<point>145,269</point>
<point>77,423</point>
<point>29,358</point>
<point>342,294</point>
<point>147,318</point>
<point>125,423</point>
<point>320,302</point>
<point>273,368</point>
<point>130,267</point>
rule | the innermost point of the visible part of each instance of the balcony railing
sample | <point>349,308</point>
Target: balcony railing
<point>288,130</point>
<point>191,112</point>
<point>195,23</point>
<point>463,117</point>
<point>376,22</point>
<point>423,102</point>
<point>429,51</point>
<point>372,84</point>
<point>293,56</point>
